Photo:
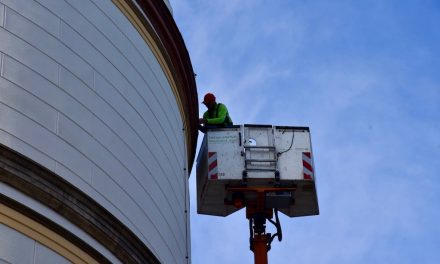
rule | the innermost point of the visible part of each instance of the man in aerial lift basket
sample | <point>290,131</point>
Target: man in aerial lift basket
<point>217,114</point>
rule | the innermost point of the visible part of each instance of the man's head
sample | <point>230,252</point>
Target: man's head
<point>209,100</point>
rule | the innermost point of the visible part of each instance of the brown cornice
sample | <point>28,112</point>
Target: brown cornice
<point>74,205</point>
<point>159,22</point>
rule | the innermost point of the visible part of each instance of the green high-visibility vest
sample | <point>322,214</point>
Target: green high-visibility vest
<point>219,115</point>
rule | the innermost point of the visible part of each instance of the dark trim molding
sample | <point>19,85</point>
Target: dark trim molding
<point>56,193</point>
<point>39,218</point>
<point>159,22</point>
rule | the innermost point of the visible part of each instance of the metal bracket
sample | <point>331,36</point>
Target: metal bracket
<point>244,177</point>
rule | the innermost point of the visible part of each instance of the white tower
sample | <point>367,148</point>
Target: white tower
<point>98,115</point>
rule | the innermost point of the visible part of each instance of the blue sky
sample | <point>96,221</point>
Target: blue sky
<point>365,77</point>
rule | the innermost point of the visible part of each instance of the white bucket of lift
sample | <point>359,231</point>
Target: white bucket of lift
<point>257,155</point>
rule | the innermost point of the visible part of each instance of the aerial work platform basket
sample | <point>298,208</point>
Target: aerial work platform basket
<point>235,163</point>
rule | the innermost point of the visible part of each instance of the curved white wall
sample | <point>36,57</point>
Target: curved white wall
<point>82,94</point>
<point>29,252</point>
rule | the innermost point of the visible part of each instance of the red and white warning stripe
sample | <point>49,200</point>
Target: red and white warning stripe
<point>212,166</point>
<point>307,165</point>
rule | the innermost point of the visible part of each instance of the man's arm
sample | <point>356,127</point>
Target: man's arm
<point>202,121</point>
